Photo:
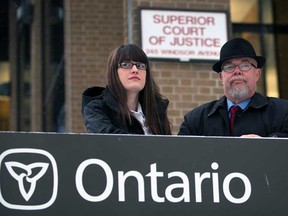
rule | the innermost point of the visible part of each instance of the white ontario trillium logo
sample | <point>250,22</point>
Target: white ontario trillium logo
<point>29,175</point>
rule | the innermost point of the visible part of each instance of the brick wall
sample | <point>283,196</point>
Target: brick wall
<point>94,28</point>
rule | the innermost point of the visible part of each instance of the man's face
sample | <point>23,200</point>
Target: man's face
<point>239,77</point>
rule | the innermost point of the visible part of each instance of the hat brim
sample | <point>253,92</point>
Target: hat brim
<point>260,62</point>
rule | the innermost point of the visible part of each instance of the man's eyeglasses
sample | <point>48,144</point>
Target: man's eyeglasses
<point>129,65</point>
<point>244,66</point>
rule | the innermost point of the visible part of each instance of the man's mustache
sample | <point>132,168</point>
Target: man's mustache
<point>238,78</point>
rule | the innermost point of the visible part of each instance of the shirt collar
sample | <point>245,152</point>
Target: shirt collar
<point>139,115</point>
<point>242,104</point>
<point>138,110</point>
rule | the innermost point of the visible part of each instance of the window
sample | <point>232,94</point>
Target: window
<point>253,20</point>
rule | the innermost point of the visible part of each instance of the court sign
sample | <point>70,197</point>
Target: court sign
<point>182,34</point>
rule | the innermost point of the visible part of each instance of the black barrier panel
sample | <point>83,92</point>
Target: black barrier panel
<point>82,174</point>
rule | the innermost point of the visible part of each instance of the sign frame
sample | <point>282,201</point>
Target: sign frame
<point>143,175</point>
<point>159,47</point>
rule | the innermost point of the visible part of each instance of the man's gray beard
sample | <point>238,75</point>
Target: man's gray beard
<point>238,93</point>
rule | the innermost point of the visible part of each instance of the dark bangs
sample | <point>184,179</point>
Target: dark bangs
<point>131,52</point>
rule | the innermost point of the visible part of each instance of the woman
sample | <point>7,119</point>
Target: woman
<point>131,102</point>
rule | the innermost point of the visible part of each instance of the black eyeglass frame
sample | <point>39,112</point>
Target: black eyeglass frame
<point>239,66</point>
<point>132,64</point>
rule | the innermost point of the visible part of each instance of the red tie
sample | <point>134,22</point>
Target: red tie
<point>233,111</point>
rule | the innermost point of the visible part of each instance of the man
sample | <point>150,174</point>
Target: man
<point>239,70</point>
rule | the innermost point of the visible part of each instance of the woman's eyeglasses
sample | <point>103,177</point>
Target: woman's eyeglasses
<point>129,65</point>
<point>244,66</point>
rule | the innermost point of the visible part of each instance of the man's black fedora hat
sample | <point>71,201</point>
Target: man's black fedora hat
<point>237,48</point>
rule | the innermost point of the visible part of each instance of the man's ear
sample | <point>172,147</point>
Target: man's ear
<point>258,73</point>
<point>220,76</point>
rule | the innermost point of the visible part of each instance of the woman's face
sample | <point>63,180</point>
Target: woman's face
<point>132,78</point>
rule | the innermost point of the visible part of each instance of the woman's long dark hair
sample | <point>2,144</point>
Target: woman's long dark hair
<point>147,96</point>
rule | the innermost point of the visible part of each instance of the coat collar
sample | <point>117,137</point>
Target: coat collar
<point>95,92</point>
<point>257,101</point>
